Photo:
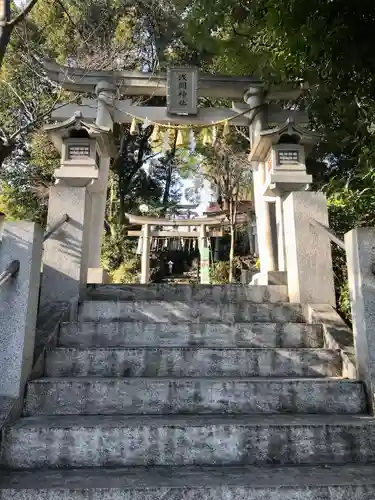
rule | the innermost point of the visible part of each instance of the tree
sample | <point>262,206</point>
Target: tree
<point>226,166</point>
<point>327,44</point>
<point>8,24</point>
<point>95,34</point>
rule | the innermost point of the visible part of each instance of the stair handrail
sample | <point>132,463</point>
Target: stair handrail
<point>10,272</point>
<point>332,236</point>
<point>55,227</point>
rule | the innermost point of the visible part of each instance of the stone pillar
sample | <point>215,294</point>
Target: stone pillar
<point>106,95</point>
<point>217,249</point>
<point>22,241</point>
<point>145,258</point>
<point>254,97</point>
<point>98,192</point>
<point>360,254</point>
<point>202,236</point>
<point>280,235</point>
<point>65,259</point>
<point>250,235</point>
<point>308,249</point>
<point>267,251</point>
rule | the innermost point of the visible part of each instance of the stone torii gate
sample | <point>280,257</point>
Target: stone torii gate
<point>90,124</point>
<point>147,233</point>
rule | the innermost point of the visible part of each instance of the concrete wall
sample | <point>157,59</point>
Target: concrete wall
<point>18,305</point>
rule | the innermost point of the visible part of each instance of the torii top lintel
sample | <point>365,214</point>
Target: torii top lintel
<point>144,219</point>
<point>137,83</point>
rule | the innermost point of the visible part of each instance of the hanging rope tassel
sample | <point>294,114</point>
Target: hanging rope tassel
<point>214,135</point>
<point>155,134</point>
<point>133,126</point>
<point>206,138</point>
<point>226,130</point>
<point>139,246</point>
<point>192,141</point>
<point>146,123</point>
<point>180,138</point>
<point>166,146</point>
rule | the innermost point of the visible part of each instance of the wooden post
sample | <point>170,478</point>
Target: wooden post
<point>204,256</point>
<point>145,259</point>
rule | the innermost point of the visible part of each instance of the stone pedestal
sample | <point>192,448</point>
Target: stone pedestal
<point>98,276</point>
<point>145,258</point>
<point>360,253</point>
<point>308,249</point>
<point>19,305</point>
<point>65,260</point>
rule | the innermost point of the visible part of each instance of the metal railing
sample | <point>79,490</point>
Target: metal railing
<point>333,237</point>
<point>10,272</point>
<point>55,227</point>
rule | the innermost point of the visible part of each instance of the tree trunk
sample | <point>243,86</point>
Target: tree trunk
<point>231,252</point>
<point>232,204</point>
<point>5,151</point>
<point>167,188</point>
<point>4,42</point>
<point>7,25</point>
<point>168,180</point>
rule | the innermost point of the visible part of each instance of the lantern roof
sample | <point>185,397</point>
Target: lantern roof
<point>74,127</point>
<point>296,133</point>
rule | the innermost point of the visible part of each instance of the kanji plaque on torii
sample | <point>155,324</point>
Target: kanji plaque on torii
<point>182,91</point>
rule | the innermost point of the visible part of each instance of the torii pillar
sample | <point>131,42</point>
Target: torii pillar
<point>267,246</point>
<point>106,93</point>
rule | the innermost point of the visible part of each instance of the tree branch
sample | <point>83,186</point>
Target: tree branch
<point>22,15</point>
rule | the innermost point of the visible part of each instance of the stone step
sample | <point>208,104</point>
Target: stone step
<point>192,362</point>
<point>111,441</point>
<point>190,292</point>
<point>91,396</point>
<point>135,333</point>
<point>338,482</point>
<point>164,312</point>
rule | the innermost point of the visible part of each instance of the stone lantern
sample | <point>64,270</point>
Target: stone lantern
<point>85,148</point>
<point>82,146</point>
<point>282,150</point>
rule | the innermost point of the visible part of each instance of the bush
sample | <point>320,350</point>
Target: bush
<point>344,303</point>
<point>127,272</point>
<point>219,273</point>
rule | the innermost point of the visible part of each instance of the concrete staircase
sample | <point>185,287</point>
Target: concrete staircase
<point>190,393</point>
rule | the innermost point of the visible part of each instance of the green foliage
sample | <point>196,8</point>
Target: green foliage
<point>117,248</point>
<point>25,182</point>
<point>219,273</point>
<point>349,207</point>
<point>127,272</point>
<point>344,302</point>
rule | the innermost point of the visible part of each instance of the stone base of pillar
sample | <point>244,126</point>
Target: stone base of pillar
<point>270,278</point>
<point>65,252</point>
<point>97,276</point>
